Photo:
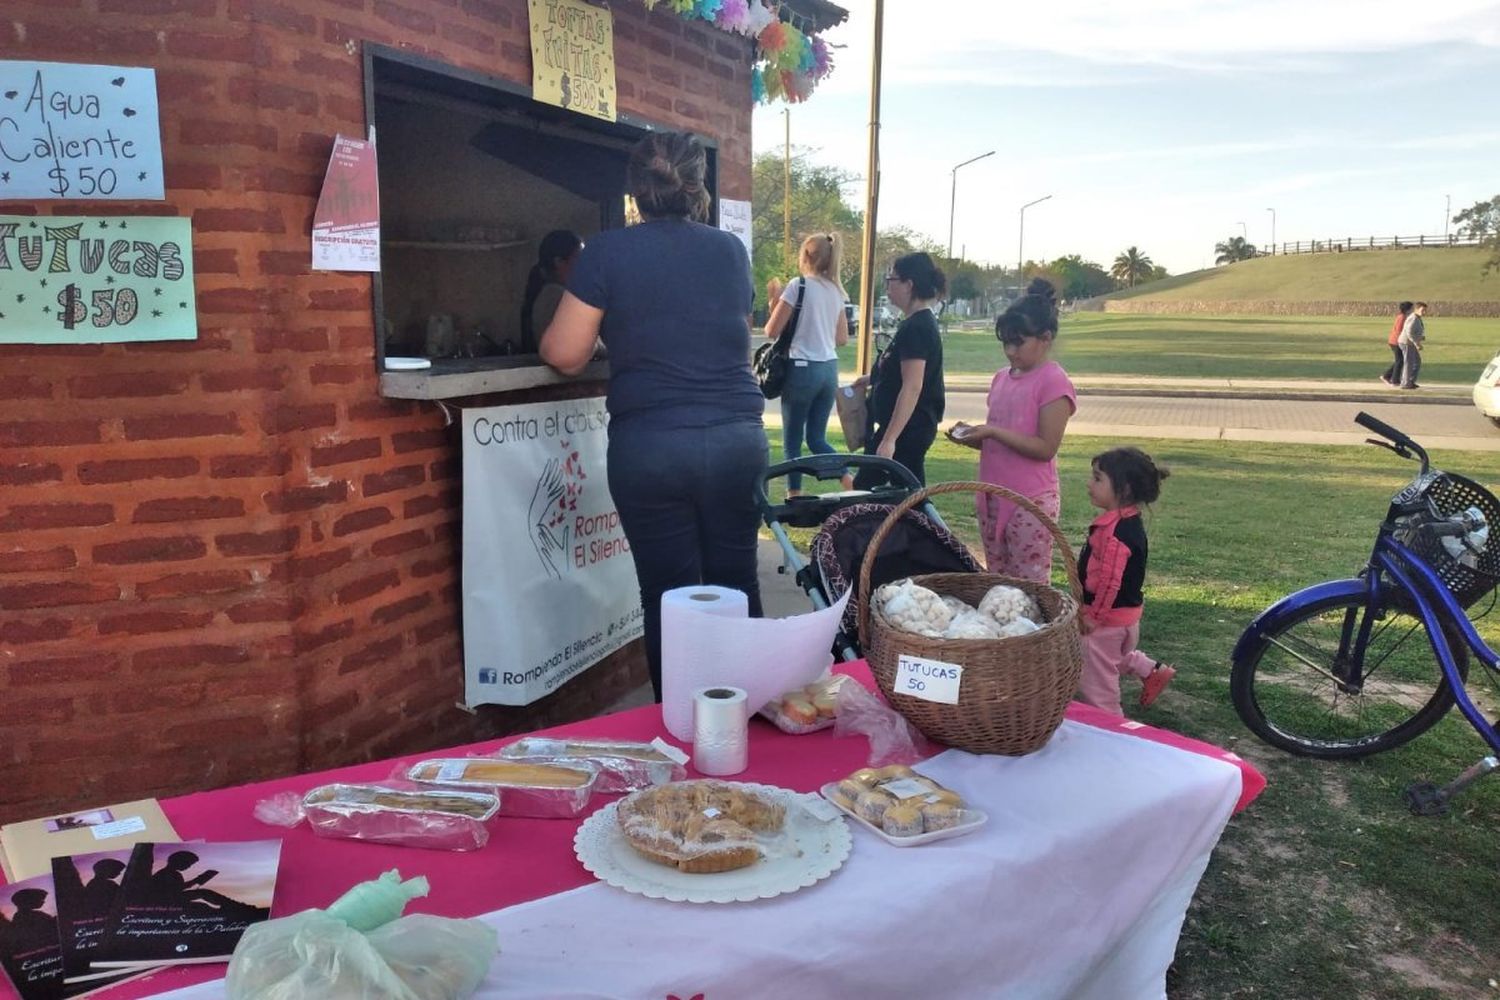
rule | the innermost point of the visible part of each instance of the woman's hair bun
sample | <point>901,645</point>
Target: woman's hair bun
<point>1042,287</point>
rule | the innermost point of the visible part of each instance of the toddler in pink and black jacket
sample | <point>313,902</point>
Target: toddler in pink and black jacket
<point>1112,565</point>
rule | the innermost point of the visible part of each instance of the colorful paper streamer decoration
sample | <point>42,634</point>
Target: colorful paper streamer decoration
<point>788,62</point>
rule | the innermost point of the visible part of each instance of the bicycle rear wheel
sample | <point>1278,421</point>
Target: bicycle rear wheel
<point>1286,690</point>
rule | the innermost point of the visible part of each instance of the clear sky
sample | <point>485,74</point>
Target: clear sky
<point>1163,123</point>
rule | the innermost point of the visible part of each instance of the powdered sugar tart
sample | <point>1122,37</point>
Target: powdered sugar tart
<point>713,842</point>
<point>699,826</point>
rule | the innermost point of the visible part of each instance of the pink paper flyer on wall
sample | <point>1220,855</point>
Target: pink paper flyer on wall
<point>346,225</point>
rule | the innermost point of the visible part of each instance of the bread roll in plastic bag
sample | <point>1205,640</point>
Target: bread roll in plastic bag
<point>323,953</point>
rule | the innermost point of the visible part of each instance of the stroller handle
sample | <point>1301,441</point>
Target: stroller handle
<point>833,467</point>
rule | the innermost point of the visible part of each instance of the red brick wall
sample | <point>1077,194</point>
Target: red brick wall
<point>228,559</point>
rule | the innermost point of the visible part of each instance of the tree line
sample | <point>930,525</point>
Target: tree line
<point>818,206</point>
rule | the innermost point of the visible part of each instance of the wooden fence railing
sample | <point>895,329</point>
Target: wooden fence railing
<point>1349,243</point>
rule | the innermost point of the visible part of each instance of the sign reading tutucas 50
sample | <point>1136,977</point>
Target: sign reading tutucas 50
<point>84,280</point>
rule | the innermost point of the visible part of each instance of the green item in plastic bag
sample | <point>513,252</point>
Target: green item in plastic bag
<point>371,904</point>
<point>361,948</point>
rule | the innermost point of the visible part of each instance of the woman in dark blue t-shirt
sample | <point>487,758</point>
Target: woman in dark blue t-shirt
<point>671,299</point>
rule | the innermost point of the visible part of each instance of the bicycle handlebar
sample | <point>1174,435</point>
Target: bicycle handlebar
<point>1400,443</point>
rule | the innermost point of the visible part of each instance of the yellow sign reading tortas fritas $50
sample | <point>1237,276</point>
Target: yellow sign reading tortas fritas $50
<point>573,56</point>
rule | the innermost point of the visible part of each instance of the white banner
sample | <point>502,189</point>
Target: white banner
<point>734,217</point>
<point>549,585</point>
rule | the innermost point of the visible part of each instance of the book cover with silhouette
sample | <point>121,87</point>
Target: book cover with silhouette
<point>29,952</point>
<point>187,903</point>
<point>87,886</point>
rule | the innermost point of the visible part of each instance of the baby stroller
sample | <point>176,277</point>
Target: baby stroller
<point>847,520</point>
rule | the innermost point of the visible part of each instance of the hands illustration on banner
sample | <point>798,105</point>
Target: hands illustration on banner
<point>545,514</point>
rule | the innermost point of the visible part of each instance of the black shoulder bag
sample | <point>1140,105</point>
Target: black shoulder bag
<point>773,359</point>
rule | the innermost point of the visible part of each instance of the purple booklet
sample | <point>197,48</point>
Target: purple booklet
<point>187,903</point>
<point>29,952</point>
<point>87,886</point>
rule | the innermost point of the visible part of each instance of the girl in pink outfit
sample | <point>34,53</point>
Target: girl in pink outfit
<point>1030,404</point>
<point>1112,565</point>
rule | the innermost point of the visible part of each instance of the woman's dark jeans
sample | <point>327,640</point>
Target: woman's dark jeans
<point>806,402</point>
<point>686,498</point>
<point>911,451</point>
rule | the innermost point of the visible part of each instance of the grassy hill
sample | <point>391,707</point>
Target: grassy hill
<point>1446,274</point>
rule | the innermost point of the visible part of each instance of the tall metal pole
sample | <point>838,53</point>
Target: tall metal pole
<point>1244,231</point>
<point>1021,243</point>
<point>786,193</point>
<point>1447,213</point>
<point>863,353</point>
<point>1273,230</point>
<point>953,197</point>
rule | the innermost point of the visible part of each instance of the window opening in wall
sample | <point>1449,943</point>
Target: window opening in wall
<point>473,174</point>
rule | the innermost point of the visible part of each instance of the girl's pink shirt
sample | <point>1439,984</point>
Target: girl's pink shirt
<point>1016,405</point>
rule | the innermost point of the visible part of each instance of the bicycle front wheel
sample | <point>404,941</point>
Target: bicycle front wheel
<point>1293,687</point>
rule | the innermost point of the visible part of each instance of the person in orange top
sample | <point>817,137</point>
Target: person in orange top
<point>1112,565</point>
<point>1392,375</point>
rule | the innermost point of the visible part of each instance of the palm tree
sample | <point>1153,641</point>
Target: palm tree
<point>1233,249</point>
<point>1132,266</point>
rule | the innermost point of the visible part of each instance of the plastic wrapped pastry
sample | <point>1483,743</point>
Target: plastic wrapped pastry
<point>699,827</point>
<point>807,709</point>
<point>623,766</point>
<point>547,791</point>
<point>402,813</point>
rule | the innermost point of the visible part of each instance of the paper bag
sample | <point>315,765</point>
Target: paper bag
<point>853,418</point>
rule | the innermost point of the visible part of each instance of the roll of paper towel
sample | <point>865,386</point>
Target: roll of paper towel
<point>687,652</point>
<point>707,640</point>
<point>721,730</point>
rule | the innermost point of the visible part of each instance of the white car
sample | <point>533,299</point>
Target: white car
<point>1487,391</point>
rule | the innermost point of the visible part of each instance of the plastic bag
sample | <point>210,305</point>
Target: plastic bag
<point>893,740</point>
<point>806,709</point>
<point>319,953</point>
<point>392,812</point>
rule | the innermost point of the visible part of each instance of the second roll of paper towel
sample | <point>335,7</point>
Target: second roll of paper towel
<point>707,639</point>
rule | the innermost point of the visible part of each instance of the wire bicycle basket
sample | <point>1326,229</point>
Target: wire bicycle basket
<point>1470,576</point>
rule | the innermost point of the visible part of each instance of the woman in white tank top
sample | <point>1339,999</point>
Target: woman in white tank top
<point>821,328</point>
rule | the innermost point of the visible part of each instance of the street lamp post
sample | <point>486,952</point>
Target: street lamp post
<point>1021,241</point>
<point>1244,231</point>
<point>953,197</point>
<point>1273,230</point>
<point>1447,213</point>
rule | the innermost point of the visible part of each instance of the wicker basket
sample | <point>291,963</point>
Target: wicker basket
<point>1014,690</point>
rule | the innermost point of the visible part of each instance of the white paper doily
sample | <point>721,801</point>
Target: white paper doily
<point>815,849</point>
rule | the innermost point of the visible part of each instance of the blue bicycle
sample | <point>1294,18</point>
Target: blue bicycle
<point>1349,668</point>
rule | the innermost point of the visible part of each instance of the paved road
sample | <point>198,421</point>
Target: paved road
<point>1434,425</point>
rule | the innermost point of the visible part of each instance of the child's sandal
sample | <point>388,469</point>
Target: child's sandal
<point>1154,683</point>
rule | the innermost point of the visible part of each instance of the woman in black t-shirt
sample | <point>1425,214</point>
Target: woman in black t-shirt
<point>906,384</point>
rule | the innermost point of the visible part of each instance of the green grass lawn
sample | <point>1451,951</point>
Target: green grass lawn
<point>1446,274</point>
<point>1250,347</point>
<point>1326,886</point>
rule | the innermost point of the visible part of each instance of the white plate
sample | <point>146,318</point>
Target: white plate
<point>406,364</point>
<point>816,850</point>
<point>972,819</point>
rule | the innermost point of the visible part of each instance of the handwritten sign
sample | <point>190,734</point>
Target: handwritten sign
<point>573,56</point>
<point>82,280</point>
<point>734,217</point>
<point>930,680</point>
<point>346,225</point>
<point>78,132</point>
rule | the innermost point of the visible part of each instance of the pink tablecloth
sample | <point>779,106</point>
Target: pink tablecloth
<point>526,858</point>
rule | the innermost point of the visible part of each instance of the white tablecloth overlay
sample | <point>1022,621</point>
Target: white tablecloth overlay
<point>1077,888</point>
